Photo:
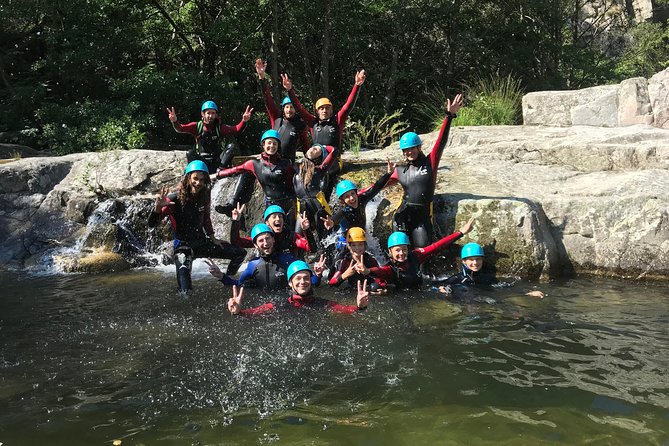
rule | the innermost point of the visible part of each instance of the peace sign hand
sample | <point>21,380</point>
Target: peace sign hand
<point>360,268</point>
<point>247,114</point>
<point>328,222</point>
<point>162,200</point>
<point>453,107</point>
<point>287,84</point>
<point>171,114</point>
<point>304,221</point>
<point>261,66</point>
<point>237,211</point>
<point>319,266</point>
<point>391,165</point>
<point>214,270</point>
<point>235,302</point>
<point>363,295</point>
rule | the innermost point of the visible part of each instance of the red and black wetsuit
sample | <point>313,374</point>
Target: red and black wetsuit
<point>193,230</point>
<point>286,241</point>
<point>293,131</point>
<point>342,264</point>
<point>418,179</point>
<point>407,274</point>
<point>297,301</point>
<point>208,142</point>
<point>328,132</point>
<point>275,176</point>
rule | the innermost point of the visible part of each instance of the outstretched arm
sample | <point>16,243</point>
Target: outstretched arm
<point>304,113</point>
<point>352,98</point>
<point>422,254</point>
<point>439,145</point>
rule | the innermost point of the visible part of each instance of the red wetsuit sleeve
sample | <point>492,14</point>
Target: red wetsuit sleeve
<point>308,118</point>
<point>384,273</point>
<point>272,110</point>
<point>337,278</point>
<point>340,308</point>
<point>233,129</point>
<point>347,107</point>
<point>329,159</point>
<point>422,254</point>
<point>235,239</point>
<point>301,242</point>
<point>190,128</point>
<point>439,145</point>
<point>244,167</point>
<point>261,309</point>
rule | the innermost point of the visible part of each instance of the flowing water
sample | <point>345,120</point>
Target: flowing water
<point>88,359</point>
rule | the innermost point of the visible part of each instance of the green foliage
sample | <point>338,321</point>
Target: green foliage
<point>493,100</point>
<point>375,131</point>
<point>647,51</point>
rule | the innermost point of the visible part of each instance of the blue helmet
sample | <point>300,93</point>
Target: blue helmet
<point>471,250</point>
<point>345,186</point>
<point>409,140</point>
<point>195,166</point>
<point>296,267</point>
<point>273,209</point>
<point>260,228</point>
<point>286,101</point>
<point>209,105</point>
<point>398,238</point>
<point>270,134</point>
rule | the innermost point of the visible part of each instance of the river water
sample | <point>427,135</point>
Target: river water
<point>88,359</point>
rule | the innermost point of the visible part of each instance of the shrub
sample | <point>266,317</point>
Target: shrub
<point>375,131</point>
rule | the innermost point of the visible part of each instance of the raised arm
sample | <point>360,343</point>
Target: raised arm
<point>308,118</point>
<point>272,110</point>
<point>352,98</point>
<point>439,145</point>
<point>236,129</point>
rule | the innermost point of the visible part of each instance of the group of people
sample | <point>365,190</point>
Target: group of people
<point>298,218</point>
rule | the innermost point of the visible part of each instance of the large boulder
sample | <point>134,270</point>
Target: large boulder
<point>658,92</point>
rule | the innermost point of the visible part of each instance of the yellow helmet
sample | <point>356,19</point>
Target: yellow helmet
<point>323,101</point>
<point>356,234</point>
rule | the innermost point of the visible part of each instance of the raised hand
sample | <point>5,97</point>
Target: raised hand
<point>391,165</point>
<point>453,107</point>
<point>467,227</point>
<point>213,177</point>
<point>360,268</point>
<point>350,270</point>
<point>304,221</point>
<point>247,114</point>
<point>363,295</point>
<point>319,266</point>
<point>261,66</point>
<point>328,222</point>
<point>360,77</point>
<point>214,270</point>
<point>238,211</point>
<point>235,302</point>
<point>162,200</point>
<point>172,114</point>
<point>285,81</point>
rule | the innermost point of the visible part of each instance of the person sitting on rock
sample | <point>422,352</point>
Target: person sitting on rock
<point>327,127</point>
<point>208,134</point>
<point>286,241</point>
<point>472,256</point>
<point>300,280</point>
<point>267,271</point>
<point>189,213</point>
<point>403,270</point>
<point>353,266</point>
<point>274,174</point>
<point>418,179</point>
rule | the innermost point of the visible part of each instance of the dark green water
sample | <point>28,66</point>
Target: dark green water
<point>88,359</point>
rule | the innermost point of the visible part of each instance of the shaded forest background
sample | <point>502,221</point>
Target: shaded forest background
<point>82,75</point>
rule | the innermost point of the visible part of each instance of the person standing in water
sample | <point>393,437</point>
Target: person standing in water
<point>188,210</point>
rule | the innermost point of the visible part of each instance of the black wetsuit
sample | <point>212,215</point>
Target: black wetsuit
<point>265,272</point>
<point>192,228</point>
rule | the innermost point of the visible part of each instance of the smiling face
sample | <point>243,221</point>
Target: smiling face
<point>357,248</point>
<point>350,198</point>
<point>301,283</point>
<point>288,111</point>
<point>270,146</point>
<point>324,112</point>
<point>411,154</point>
<point>473,263</point>
<point>275,221</point>
<point>264,243</point>
<point>196,181</point>
<point>399,253</point>
<point>209,115</point>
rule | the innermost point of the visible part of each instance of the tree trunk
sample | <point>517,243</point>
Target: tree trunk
<point>177,30</point>
<point>325,53</point>
<point>274,50</point>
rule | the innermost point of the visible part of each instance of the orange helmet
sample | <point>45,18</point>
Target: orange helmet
<point>356,234</point>
<point>323,101</point>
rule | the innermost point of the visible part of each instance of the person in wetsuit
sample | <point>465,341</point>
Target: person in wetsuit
<point>309,182</point>
<point>353,265</point>
<point>300,280</point>
<point>274,174</point>
<point>208,134</point>
<point>267,271</point>
<point>189,213</point>
<point>418,179</point>
<point>403,270</point>
<point>327,126</point>
<point>286,241</point>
